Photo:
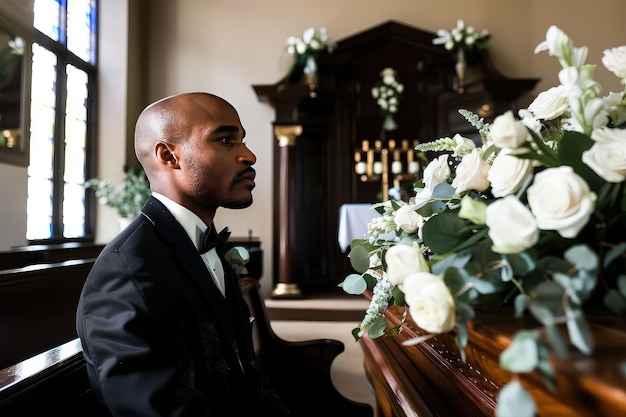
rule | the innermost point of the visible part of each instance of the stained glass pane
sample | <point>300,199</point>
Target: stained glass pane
<point>39,209</point>
<point>75,139</point>
<point>81,29</point>
<point>40,169</point>
<point>47,17</point>
<point>73,210</point>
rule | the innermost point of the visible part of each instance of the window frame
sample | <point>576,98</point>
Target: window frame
<point>66,57</point>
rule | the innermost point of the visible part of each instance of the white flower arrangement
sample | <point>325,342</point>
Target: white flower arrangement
<point>538,211</point>
<point>462,38</point>
<point>306,50</point>
<point>388,92</point>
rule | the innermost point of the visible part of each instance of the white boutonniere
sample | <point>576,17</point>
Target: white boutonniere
<point>238,257</point>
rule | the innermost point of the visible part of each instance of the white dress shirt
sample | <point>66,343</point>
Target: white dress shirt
<point>194,228</point>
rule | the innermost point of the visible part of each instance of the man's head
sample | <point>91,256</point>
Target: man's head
<point>192,150</point>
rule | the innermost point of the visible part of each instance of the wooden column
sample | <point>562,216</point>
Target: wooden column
<point>287,285</point>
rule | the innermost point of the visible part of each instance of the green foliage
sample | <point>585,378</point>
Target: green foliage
<point>128,197</point>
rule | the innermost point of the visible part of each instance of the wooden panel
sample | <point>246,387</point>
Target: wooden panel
<point>38,307</point>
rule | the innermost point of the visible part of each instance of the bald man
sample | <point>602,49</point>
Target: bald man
<point>163,325</point>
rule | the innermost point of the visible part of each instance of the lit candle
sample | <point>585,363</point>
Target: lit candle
<point>414,167</point>
<point>360,168</point>
<point>378,167</point>
<point>396,167</point>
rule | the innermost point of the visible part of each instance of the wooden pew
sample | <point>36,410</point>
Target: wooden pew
<point>38,307</point>
<point>21,256</point>
<point>55,382</point>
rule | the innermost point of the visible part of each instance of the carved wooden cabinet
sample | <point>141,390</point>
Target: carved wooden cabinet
<point>317,138</point>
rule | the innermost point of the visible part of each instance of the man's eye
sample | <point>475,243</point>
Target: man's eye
<point>225,140</point>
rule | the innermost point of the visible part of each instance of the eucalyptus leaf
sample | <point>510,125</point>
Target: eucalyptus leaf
<point>442,232</point>
<point>545,369</point>
<point>354,284</point>
<point>377,328</point>
<point>556,340</point>
<point>398,297</point>
<point>456,278</point>
<point>522,263</point>
<point>359,259</point>
<point>522,355</point>
<point>462,336</point>
<point>579,333</point>
<point>615,252</point>
<point>438,206</point>
<point>542,313</point>
<point>582,256</point>
<point>573,144</point>
<point>515,401</point>
<point>621,284</point>
<point>521,303</point>
<point>460,342</point>
<point>444,191</point>
<point>458,260</point>
<point>615,302</point>
<point>464,311</point>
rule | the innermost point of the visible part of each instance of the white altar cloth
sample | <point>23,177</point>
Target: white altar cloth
<point>353,220</point>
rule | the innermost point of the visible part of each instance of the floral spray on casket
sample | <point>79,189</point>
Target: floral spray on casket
<point>535,218</point>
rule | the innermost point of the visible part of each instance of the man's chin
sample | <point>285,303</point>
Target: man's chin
<point>238,204</point>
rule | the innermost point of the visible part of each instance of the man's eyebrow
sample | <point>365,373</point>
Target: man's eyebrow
<point>226,128</point>
<point>230,129</point>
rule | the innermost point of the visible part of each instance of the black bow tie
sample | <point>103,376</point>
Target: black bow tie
<point>209,240</point>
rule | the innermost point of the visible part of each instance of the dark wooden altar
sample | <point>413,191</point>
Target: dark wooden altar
<point>430,379</point>
<point>317,135</point>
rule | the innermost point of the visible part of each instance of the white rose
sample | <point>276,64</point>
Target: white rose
<point>462,145</point>
<point>506,132</point>
<point>407,219</point>
<point>430,303</point>
<point>609,135</point>
<point>608,160</point>
<point>507,173</point>
<point>614,60</point>
<point>436,172</point>
<point>512,227</point>
<point>549,104</point>
<point>403,260</point>
<point>471,173</point>
<point>561,200</point>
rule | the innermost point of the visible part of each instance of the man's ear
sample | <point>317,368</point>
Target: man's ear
<point>165,153</point>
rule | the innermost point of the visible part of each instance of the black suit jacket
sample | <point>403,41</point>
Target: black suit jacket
<point>158,337</point>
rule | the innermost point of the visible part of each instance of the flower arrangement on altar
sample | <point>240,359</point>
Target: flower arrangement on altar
<point>306,50</point>
<point>462,38</point>
<point>388,92</point>
<point>535,218</point>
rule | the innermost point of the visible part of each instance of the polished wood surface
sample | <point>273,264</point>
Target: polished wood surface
<point>38,307</point>
<point>430,379</point>
<point>38,254</point>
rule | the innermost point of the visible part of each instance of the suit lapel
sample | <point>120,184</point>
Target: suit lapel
<point>185,252</point>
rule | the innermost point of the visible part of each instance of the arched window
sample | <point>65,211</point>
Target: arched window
<point>62,125</point>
